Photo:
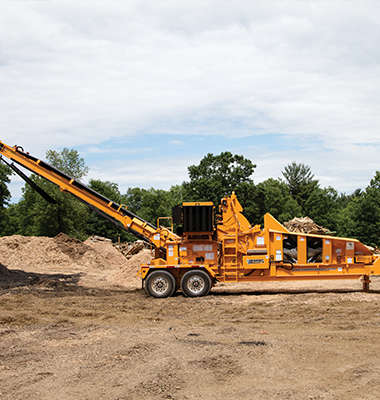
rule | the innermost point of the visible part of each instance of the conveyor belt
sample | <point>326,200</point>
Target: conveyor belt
<point>79,185</point>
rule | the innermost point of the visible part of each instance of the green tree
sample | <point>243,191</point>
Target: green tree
<point>217,176</point>
<point>176,193</point>
<point>360,219</point>
<point>11,220</point>
<point>69,162</point>
<point>149,204</point>
<point>249,197</point>
<point>323,206</point>
<point>344,199</point>
<point>37,217</point>
<point>300,181</point>
<point>5,198</point>
<point>349,224</point>
<point>277,200</point>
<point>96,224</point>
<point>369,213</point>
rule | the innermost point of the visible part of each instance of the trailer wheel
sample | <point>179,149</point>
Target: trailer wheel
<point>160,284</point>
<point>196,283</point>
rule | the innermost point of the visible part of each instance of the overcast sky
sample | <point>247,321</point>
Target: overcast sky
<point>144,89</point>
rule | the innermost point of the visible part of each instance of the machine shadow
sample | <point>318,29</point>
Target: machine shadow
<point>286,291</point>
<point>18,278</point>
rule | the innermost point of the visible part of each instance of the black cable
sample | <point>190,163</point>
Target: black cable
<point>271,260</point>
<point>250,272</point>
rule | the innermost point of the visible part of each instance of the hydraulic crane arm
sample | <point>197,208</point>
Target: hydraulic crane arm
<point>99,203</point>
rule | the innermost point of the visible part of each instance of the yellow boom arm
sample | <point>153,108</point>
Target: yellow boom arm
<point>128,220</point>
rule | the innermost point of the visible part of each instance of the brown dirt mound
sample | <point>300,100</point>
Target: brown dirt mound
<point>3,270</point>
<point>129,269</point>
<point>74,248</point>
<point>25,252</point>
<point>99,263</point>
<point>108,251</point>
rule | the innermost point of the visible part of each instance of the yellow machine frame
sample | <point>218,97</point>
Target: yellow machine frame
<point>232,250</point>
<point>245,253</point>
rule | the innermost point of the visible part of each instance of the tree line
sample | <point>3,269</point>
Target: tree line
<point>296,193</point>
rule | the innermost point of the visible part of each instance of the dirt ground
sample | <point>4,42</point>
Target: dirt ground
<point>75,324</point>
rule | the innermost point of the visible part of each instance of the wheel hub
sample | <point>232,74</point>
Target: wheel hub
<point>195,284</point>
<point>159,285</point>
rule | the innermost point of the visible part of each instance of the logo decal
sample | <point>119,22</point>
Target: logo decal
<point>255,261</point>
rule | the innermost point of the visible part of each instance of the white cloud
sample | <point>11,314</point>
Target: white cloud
<point>158,172</point>
<point>116,150</point>
<point>75,74</point>
<point>346,168</point>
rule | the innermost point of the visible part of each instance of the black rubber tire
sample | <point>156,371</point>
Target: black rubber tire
<point>160,284</point>
<point>196,283</point>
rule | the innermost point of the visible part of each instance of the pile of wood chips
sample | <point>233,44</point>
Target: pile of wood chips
<point>305,225</point>
<point>130,249</point>
<point>126,249</point>
<point>96,239</point>
<point>375,250</point>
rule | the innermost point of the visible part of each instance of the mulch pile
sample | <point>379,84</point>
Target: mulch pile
<point>63,253</point>
<point>305,225</point>
<point>21,252</point>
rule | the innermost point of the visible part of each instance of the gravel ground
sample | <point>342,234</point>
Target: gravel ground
<point>74,324</point>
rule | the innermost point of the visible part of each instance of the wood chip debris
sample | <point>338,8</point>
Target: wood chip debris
<point>127,249</point>
<point>306,225</point>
